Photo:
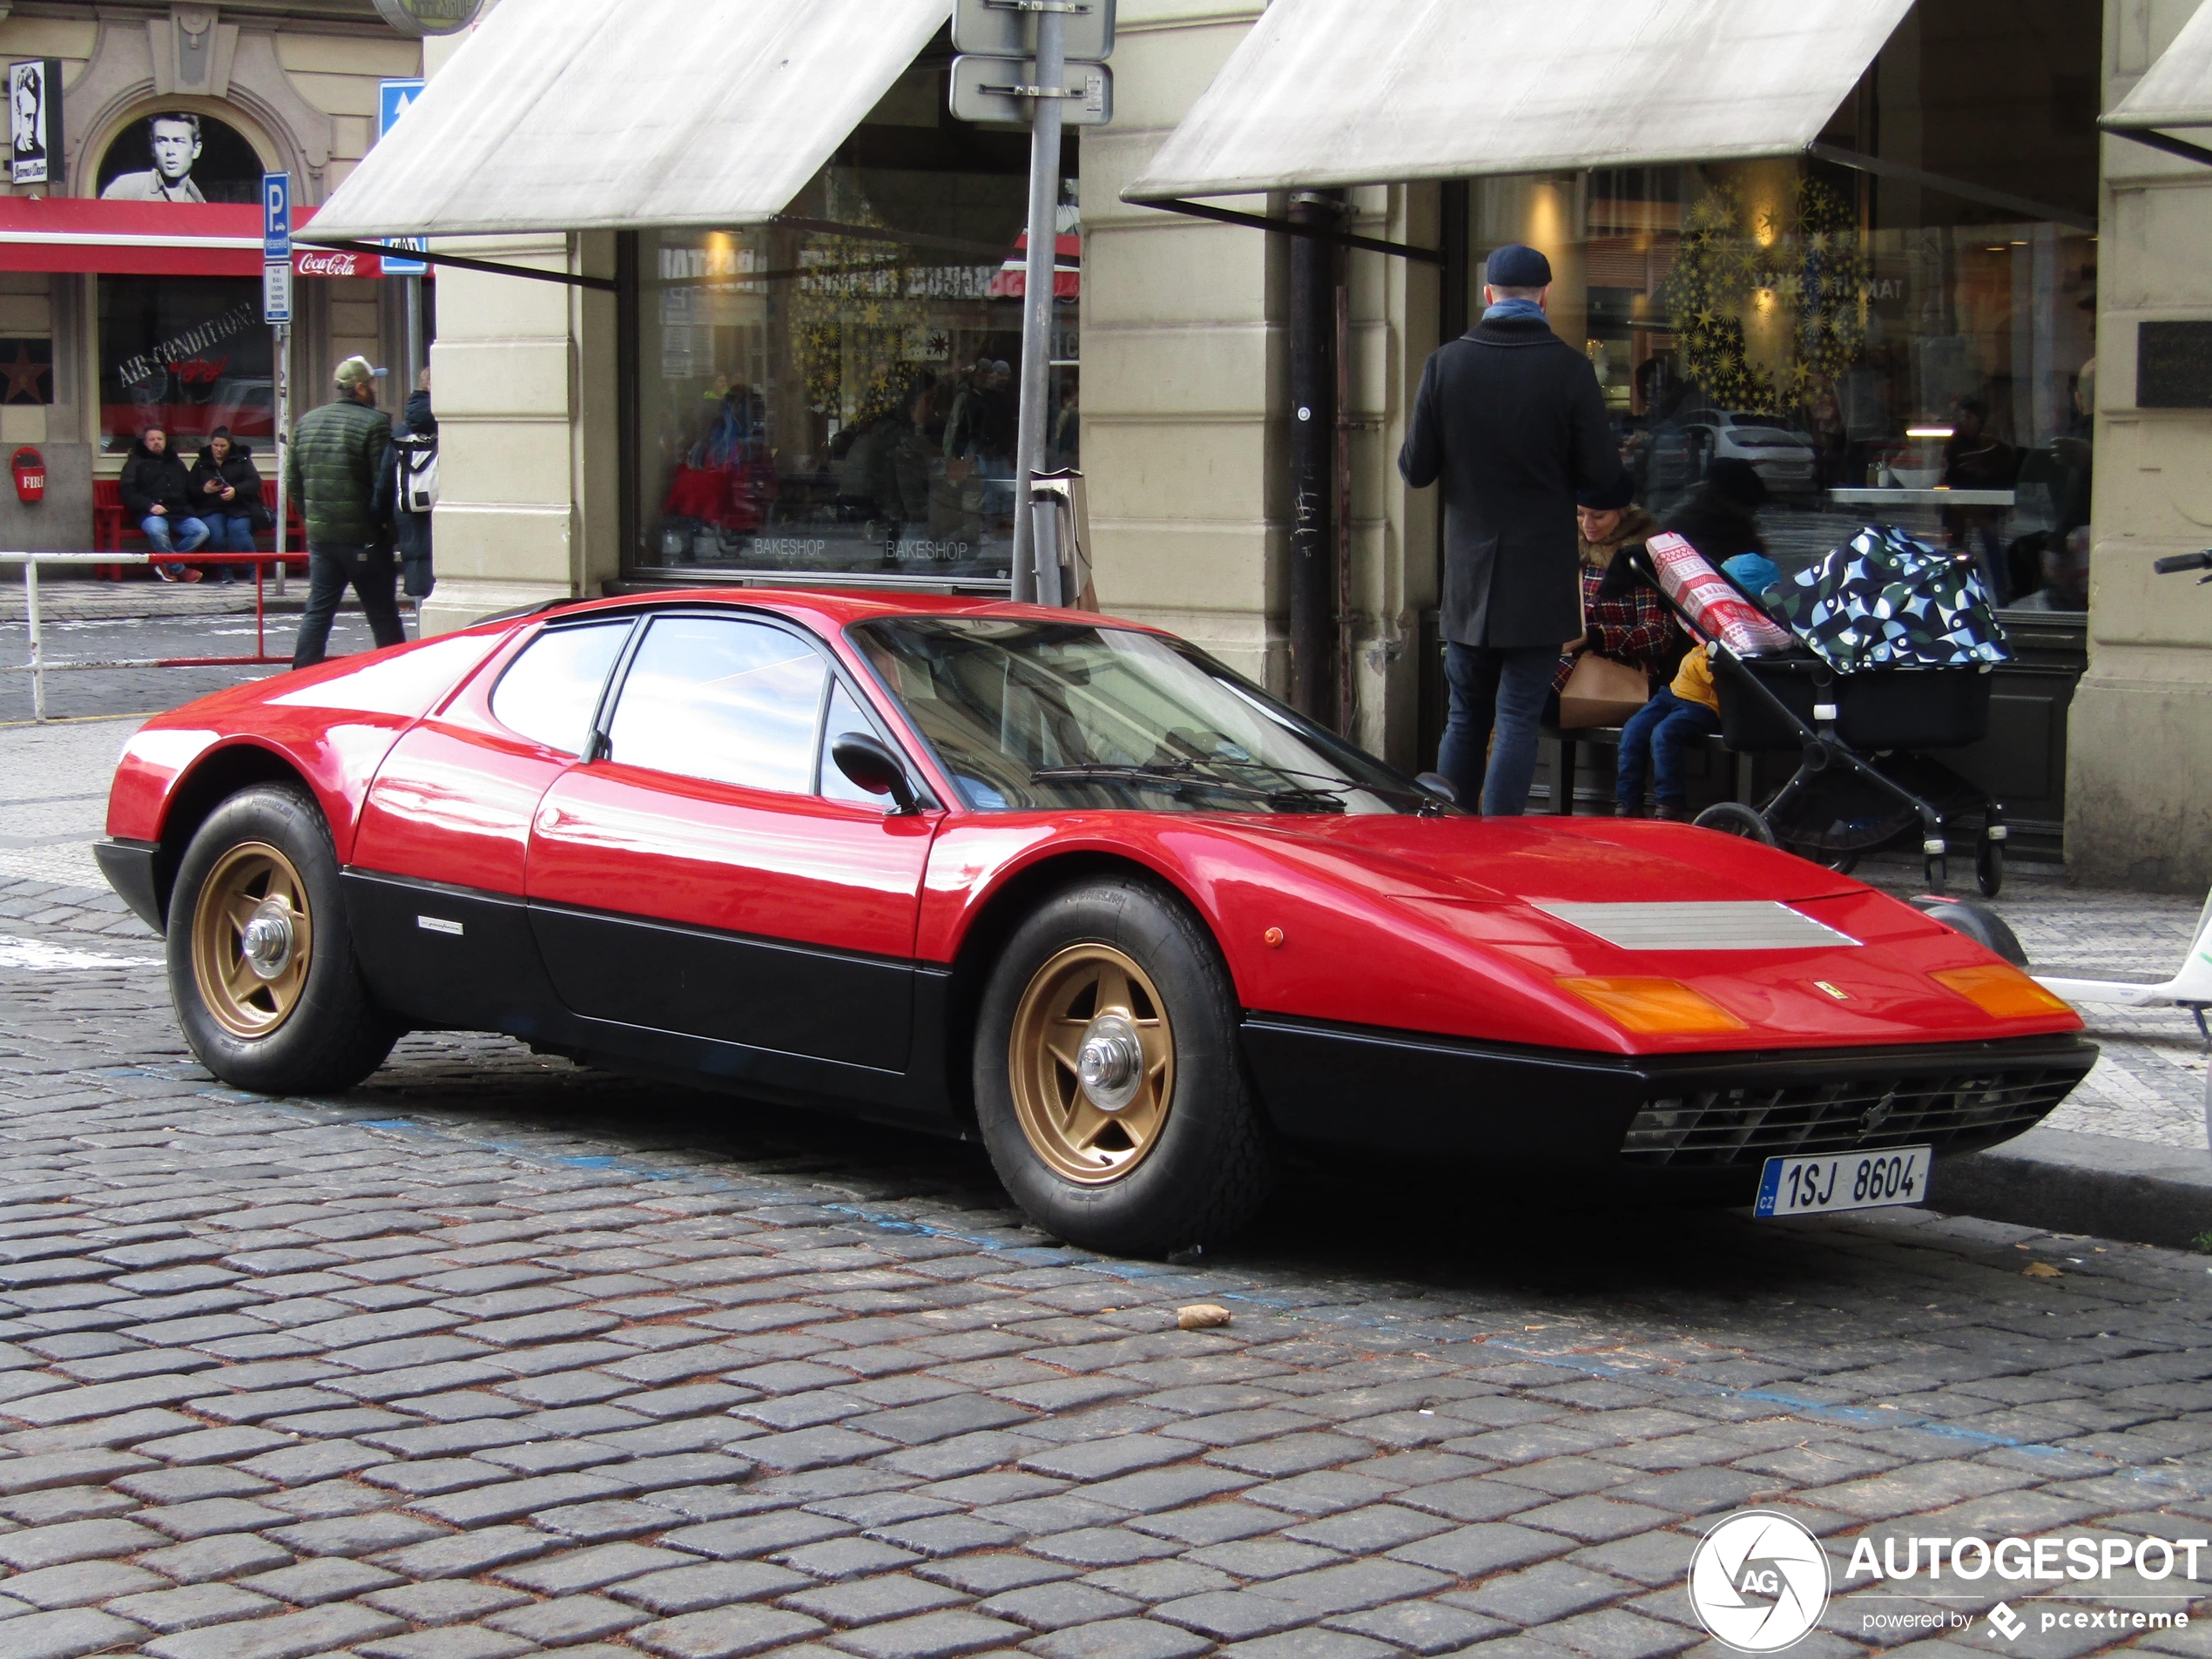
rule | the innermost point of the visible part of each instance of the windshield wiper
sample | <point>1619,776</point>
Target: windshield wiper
<point>1182,775</point>
<point>1322,781</point>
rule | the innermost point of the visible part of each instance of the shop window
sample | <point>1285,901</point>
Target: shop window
<point>727,701</point>
<point>837,392</point>
<point>549,694</point>
<point>189,353</point>
<point>1869,346</point>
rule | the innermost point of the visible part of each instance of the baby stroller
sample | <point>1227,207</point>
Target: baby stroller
<point>1862,776</point>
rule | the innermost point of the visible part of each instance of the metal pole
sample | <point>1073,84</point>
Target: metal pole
<point>283,440</point>
<point>38,657</point>
<point>414,337</point>
<point>1313,389</point>
<point>1036,312</point>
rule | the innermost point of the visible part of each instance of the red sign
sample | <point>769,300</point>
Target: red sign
<point>30,468</point>
<point>329,262</point>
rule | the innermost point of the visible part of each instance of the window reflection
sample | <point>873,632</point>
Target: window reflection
<point>723,700</point>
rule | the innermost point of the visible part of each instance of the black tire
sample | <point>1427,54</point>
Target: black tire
<point>333,1034</point>
<point>1989,867</point>
<point>1827,858</point>
<point>1979,922</point>
<point>1734,818</point>
<point>1210,1167</point>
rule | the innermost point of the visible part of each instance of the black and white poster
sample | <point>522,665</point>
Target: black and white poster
<point>35,122</point>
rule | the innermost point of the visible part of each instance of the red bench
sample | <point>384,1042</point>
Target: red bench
<point>113,532</point>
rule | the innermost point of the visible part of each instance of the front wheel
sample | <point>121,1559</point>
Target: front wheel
<point>1734,818</point>
<point>260,963</point>
<point>1109,1087</point>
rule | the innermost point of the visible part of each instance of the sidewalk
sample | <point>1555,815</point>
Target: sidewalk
<point>140,596</point>
<point>2125,1158</point>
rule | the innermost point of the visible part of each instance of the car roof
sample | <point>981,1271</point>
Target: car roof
<point>835,608</point>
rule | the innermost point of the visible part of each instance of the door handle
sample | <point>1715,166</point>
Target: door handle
<point>548,820</point>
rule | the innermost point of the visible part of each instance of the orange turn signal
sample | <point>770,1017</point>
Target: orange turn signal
<point>2000,990</point>
<point>1654,1006</point>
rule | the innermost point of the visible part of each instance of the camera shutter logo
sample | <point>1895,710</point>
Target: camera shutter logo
<point>1759,1581</point>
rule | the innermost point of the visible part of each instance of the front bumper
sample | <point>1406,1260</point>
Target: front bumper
<point>129,868</point>
<point>1698,1122</point>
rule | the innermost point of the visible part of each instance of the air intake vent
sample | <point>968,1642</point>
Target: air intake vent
<point>1751,924</point>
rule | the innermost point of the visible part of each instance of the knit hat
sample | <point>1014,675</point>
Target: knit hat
<point>1753,572</point>
<point>355,371</point>
<point>1608,498</point>
<point>1515,265</point>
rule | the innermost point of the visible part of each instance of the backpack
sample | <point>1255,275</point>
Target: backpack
<point>416,473</point>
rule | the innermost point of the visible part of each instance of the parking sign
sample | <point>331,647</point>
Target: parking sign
<point>276,217</point>
<point>394,98</point>
<point>276,290</point>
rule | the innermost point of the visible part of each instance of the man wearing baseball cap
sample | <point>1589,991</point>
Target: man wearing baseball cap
<point>331,470</point>
<point>1510,419</point>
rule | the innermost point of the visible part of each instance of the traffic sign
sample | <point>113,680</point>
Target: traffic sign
<point>393,99</point>
<point>276,217</point>
<point>1008,29</point>
<point>1000,91</point>
<point>276,290</point>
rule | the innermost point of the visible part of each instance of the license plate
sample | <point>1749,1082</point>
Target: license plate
<point>1850,1181</point>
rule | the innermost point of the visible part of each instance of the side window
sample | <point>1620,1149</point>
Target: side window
<point>723,699</point>
<point>549,692</point>
<point>845,716</point>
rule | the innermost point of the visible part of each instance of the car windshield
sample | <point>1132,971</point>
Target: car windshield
<point>1026,714</point>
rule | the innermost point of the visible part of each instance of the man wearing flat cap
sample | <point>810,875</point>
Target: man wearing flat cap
<point>1509,419</point>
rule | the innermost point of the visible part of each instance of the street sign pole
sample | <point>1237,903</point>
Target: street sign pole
<point>276,310</point>
<point>1037,291</point>
<point>283,445</point>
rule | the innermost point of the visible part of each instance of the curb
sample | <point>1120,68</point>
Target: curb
<point>2064,1182</point>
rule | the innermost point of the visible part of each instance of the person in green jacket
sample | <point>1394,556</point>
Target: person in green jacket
<point>331,469</point>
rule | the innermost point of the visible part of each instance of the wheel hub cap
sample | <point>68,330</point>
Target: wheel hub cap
<point>267,942</point>
<point>1111,1063</point>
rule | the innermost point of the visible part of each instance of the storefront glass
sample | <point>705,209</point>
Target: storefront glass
<point>837,392</point>
<point>1908,348</point>
<point>189,353</point>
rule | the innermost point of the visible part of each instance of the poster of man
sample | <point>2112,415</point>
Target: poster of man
<point>35,122</point>
<point>175,142</point>
<point>194,159</point>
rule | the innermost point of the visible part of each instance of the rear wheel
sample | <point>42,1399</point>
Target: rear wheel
<point>260,962</point>
<point>1989,867</point>
<point>1828,858</point>
<point>1109,1087</point>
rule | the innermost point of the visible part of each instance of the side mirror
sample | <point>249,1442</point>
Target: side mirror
<point>1437,784</point>
<point>870,765</point>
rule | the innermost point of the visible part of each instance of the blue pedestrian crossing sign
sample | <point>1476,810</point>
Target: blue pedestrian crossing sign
<point>393,99</point>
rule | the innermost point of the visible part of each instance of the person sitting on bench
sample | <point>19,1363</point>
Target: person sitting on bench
<point>1679,714</point>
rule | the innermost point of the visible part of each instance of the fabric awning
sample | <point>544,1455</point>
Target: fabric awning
<point>564,115</point>
<point>2176,91</point>
<point>1324,93</point>
<point>154,239</point>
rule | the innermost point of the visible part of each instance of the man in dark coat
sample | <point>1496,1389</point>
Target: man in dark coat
<point>410,529</point>
<point>1509,417</point>
<point>156,493</point>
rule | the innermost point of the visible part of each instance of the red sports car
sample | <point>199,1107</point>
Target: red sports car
<point>1061,881</point>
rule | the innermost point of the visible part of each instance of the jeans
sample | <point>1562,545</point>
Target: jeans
<point>1661,726</point>
<point>331,566</point>
<point>189,534</point>
<point>1501,688</point>
<point>233,533</point>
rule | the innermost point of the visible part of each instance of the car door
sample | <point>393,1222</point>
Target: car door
<point>436,888</point>
<point>708,872</point>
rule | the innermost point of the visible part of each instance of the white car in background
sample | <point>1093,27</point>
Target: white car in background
<point>1782,454</point>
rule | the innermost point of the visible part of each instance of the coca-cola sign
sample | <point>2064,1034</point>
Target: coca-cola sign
<point>330,262</point>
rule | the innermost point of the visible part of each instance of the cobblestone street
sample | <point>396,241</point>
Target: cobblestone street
<point>497,1354</point>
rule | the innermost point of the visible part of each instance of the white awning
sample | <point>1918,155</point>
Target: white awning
<point>2176,91</point>
<point>1335,92</point>
<point>584,115</point>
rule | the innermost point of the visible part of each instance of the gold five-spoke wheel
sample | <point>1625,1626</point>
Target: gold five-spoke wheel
<point>252,939</point>
<point>1092,1064</point>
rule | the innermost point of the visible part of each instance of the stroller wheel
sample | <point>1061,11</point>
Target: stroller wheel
<point>1828,858</point>
<point>1734,818</point>
<point>1989,867</point>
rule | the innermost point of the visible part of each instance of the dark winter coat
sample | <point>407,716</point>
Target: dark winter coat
<point>236,469</point>
<point>151,481</point>
<point>410,531</point>
<point>331,470</point>
<point>1510,418</point>
<point>1717,525</point>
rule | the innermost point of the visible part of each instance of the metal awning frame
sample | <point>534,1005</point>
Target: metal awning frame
<point>2158,140</point>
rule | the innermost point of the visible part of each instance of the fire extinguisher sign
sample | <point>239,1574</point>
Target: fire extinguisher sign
<point>30,468</point>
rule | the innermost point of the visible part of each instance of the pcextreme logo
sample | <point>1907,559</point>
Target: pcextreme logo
<point>1759,1581</point>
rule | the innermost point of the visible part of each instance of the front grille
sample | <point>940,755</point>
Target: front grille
<point>1717,1128</point>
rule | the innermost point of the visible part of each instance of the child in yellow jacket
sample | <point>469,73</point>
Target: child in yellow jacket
<point>1688,710</point>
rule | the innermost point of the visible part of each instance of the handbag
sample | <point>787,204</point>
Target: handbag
<point>1600,691</point>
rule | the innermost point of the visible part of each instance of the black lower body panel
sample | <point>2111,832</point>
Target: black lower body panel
<point>129,868</point>
<point>1701,1124</point>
